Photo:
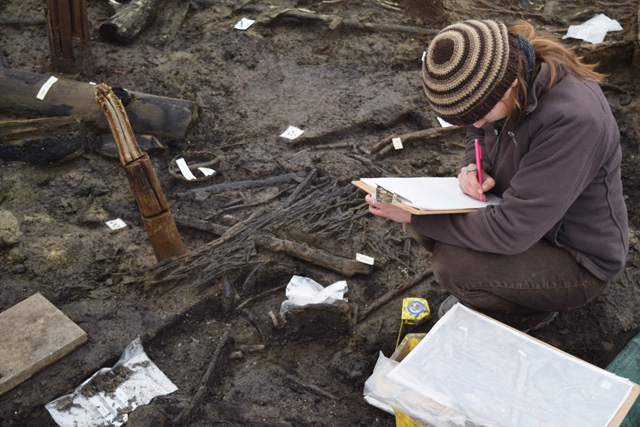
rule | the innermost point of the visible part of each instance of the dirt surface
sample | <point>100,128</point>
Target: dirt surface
<point>341,84</point>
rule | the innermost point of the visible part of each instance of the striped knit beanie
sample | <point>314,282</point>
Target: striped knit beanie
<point>467,69</point>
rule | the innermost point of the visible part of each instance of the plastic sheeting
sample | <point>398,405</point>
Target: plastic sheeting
<point>90,408</point>
<point>303,290</point>
<point>470,370</point>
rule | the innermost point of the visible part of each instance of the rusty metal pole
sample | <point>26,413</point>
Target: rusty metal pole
<point>68,32</point>
<point>154,209</point>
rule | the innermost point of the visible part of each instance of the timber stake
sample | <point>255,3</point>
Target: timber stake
<point>154,209</point>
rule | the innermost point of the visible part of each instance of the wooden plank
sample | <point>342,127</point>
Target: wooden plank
<point>33,335</point>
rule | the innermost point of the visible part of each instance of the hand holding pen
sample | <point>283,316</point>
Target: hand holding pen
<point>475,184</point>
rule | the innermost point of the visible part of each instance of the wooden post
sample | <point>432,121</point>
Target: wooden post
<point>68,32</point>
<point>154,209</point>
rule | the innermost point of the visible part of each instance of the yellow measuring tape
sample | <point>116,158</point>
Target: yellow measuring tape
<point>414,312</point>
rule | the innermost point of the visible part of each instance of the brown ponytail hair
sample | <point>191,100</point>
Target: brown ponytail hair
<point>550,50</point>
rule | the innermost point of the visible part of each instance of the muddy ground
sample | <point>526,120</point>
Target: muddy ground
<point>342,85</point>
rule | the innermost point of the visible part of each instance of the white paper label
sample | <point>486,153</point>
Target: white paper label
<point>397,143</point>
<point>443,123</point>
<point>115,224</point>
<point>206,171</point>
<point>186,172</point>
<point>244,23</point>
<point>45,87</point>
<point>292,132</point>
<point>364,259</point>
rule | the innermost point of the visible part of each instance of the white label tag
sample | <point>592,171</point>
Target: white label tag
<point>443,123</point>
<point>244,23</point>
<point>292,132</point>
<point>115,224</point>
<point>397,143</point>
<point>186,172</point>
<point>364,259</point>
<point>206,171</point>
<point>45,88</point>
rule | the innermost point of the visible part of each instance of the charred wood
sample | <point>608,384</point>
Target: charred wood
<point>345,266</point>
<point>198,397</point>
<point>147,114</point>
<point>129,21</point>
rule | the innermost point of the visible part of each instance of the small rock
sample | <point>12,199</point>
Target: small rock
<point>9,229</point>
<point>19,269</point>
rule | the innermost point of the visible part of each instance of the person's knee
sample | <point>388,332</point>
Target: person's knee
<point>422,240</point>
<point>448,270</point>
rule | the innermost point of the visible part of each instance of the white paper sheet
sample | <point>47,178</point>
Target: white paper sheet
<point>431,193</point>
<point>594,30</point>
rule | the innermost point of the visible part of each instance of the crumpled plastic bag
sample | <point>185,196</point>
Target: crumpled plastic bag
<point>303,290</point>
<point>594,30</point>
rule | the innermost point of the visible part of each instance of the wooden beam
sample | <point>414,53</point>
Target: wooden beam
<point>148,114</point>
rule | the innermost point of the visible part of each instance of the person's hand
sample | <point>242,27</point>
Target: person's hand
<point>388,211</point>
<point>468,182</point>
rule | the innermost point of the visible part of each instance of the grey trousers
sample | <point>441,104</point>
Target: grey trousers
<point>520,290</point>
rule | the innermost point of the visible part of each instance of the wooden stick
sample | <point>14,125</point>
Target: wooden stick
<point>308,387</point>
<point>331,20</point>
<point>243,185</point>
<point>298,190</point>
<point>324,147</point>
<point>345,266</point>
<point>197,399</point>
<point>254,321</point>
<point>392,294</point>
<point>430,133</point>
<point>261,295</point>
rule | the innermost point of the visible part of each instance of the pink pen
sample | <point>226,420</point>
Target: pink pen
<point>478,159</point>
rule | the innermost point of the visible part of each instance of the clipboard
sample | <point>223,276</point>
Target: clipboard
<point>413,210</point>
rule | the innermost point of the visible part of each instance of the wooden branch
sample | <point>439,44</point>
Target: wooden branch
<point>425,133</point>
<point>308,387</point>
<point>199,224</point>
<point>333,21</point>
<point>198,397</point>
<point>244,185</point>
<point>392,294</point>
<point>298,190</point>
<point>261,295</point>
<point>324,147</point>
<point>345,266</point>
<point>254,321</point>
